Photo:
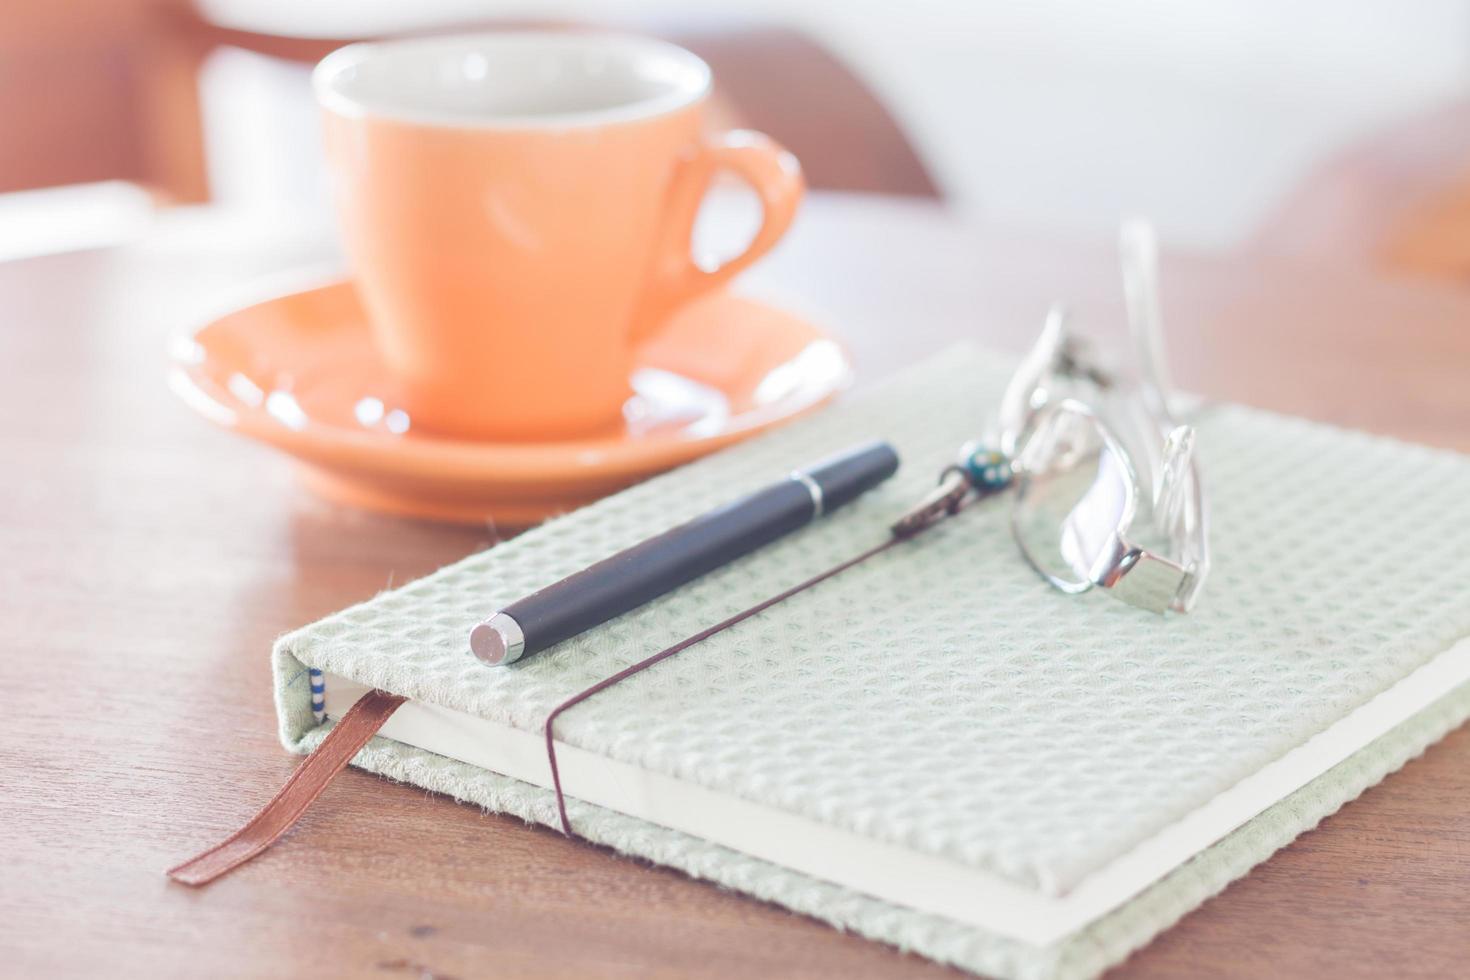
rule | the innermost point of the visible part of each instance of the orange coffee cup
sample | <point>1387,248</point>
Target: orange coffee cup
<point>517,208</point>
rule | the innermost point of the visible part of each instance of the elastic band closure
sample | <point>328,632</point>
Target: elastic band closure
<point>684,644</point>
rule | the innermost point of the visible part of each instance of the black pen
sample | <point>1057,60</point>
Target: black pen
<point>647,570</point>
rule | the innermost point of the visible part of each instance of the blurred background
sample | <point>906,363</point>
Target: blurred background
<point>1338,128</point>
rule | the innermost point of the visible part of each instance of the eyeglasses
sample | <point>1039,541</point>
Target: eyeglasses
<point>1107,488</point>
<point>1081,521</point>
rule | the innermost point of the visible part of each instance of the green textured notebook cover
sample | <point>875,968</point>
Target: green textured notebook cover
<point>941,698</point>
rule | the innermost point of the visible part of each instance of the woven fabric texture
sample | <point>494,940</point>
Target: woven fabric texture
<point>941,696</point>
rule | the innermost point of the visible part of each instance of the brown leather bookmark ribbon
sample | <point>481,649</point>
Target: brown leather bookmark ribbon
<point>360,723</point>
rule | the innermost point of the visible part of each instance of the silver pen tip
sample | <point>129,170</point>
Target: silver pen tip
<point>498,640</point>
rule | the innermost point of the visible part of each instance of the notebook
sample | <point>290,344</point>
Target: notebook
<point>936,749</point>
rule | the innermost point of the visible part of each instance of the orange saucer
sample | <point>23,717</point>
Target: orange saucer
<point>300,372</point>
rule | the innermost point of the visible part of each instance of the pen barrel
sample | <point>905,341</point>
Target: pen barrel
<point>647,570</point>
<point>640,574</point>
<point>847,476</point>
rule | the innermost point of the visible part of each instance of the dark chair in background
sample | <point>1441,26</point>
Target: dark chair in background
<point>107,89</point>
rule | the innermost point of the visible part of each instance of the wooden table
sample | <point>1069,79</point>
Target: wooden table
<point>149,561</point>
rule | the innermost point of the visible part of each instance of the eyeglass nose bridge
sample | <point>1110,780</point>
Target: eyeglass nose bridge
<point>1059,359</point>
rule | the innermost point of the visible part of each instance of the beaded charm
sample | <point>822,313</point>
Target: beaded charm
<point>987,469</point>
<point>980,469</point>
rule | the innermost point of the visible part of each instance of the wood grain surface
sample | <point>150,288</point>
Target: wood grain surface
<point>149,560</point>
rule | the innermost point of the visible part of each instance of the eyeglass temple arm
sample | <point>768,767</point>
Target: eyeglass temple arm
<point>1139,246</point>
<point>1035,369</point>
<point>1174,488</point>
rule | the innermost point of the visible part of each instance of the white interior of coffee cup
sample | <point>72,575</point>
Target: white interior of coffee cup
<point>511,79</point>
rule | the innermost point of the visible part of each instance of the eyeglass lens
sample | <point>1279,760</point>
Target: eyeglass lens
<point>1072,496</point>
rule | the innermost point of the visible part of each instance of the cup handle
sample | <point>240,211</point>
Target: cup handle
<point>771,171</point>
